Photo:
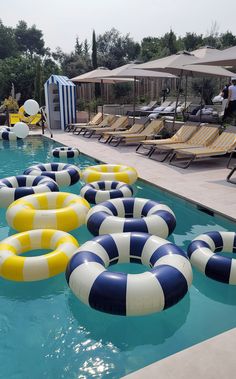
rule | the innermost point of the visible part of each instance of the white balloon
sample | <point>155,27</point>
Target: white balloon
<point>31,107</point>
<point>21,129</point>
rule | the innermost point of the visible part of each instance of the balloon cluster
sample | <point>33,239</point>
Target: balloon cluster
<point>21,129</point>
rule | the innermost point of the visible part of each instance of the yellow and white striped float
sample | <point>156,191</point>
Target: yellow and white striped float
<point>117,172</point>
<point>52,210</point>
<point>28,269</point>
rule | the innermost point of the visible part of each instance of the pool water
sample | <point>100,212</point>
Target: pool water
<point>45,332</point>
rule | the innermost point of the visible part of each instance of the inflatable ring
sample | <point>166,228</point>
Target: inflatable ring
<point>22,115</point>
<point>15,187</point>
<point>63,174</point>
<point>65,152</point>
<point>52,210</point>
<point>129,294</point>
<point>117,172</point>
<point>131,215</point>
<point>28,269</point>
<point>202,254</point>
<point>7,134</point>
<point>97,192</point>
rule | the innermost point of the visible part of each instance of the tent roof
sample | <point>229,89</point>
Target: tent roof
<point>61,80</point>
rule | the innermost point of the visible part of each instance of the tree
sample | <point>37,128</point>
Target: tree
<point>169,43</point>
<point>115,50</point>
<point>227,40</point>
<point>29,40</point>
<point>149,48</point>
<point>78,47</point>
<point>94,51</point>
<point>7,42</point>
<point>192,41</point>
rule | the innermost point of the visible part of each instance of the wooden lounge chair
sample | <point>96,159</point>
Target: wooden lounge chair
<point>203,137</point>
<point>182,135</point>
<point>149,131</point>
<point>107,136</point>
<point>107,121</point>
<point>95,120</point>
<point>222,145</point>
<point>120,123</point>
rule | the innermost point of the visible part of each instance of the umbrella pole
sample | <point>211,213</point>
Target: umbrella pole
<point>134,100</point>
<point>186,90</point>
<point>102,95</point>
<point>177,99</point>
<point>201,104</point>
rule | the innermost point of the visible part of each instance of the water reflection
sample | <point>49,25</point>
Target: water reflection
<point>217,291</point>
<point>128,332</point>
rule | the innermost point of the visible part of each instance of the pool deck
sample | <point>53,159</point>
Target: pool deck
<point>204,182</point>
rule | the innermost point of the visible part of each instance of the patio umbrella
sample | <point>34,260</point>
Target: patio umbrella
<point>184,62</point>
<point>225,57</point>
<point>204,52</point>
<point>132,70</point>
<point>98,76</point>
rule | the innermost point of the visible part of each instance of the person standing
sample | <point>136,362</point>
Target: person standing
<point>231,102</point>
<point>225,94</point>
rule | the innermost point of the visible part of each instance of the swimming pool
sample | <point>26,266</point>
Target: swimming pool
<point>45,332</point>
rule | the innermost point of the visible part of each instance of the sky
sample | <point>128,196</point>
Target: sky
<point>62,21</point>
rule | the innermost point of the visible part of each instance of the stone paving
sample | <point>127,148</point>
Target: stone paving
<point>204,182</point>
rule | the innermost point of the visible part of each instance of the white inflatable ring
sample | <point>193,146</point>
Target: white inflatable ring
<point>7,134</point>
<point>63,174</point>
<point>202,254</point>
<point>131,215</point>
<point>15,187</point>
<point>120,173</point>
<point>118,293</point>
<point>97,192</point>
<point>28,269</point>
<point>65,152</point>
<point>53,210</point>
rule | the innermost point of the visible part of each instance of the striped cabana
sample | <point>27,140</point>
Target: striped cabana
<point>60,99</point>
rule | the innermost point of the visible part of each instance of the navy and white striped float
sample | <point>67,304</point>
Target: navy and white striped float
<point>202,253</point>
<point>131,215</point>
<point>7,134</point>
<point>65,152</point>
<point>15,187</point>
<point>63,174</point>
<point>129,294</point>
<point>97,192</point>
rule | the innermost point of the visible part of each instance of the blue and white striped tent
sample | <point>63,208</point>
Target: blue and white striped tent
<point>60,99</point>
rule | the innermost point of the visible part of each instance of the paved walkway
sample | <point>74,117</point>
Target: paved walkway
<point>204,182</point>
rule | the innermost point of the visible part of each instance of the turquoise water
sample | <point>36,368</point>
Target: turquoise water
<point>45,332</point>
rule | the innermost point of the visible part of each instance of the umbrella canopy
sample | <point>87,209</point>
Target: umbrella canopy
<point>204,52</point>
<point>173,64</point>
<point>97,76</point>
<point>131,70</point>
<point>225,57</point>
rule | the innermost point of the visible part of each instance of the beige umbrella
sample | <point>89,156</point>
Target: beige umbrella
<point>204,52</point>
<point>99,76</point>
<point>225,57</point>
<point>184,62</point>
<point>132,70</point>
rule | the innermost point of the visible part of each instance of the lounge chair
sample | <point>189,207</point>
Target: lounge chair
<point>107,136</point>
<point>222,145</point>
<point>232,168</point>
<point>182,135</point>
<point>149,131</point>
<point>203,137</point>
<point>107,121</point>
<point>75,128</point>
<point>120,123</point>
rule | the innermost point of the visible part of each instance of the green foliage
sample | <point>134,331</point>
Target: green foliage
<point>29,40</point>
<point>192,41</point>
<point>10,104</point>
<point>7,42</point>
